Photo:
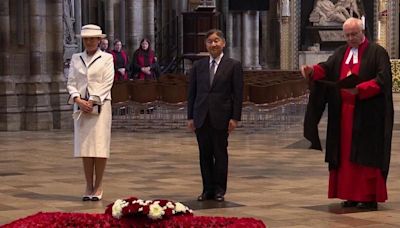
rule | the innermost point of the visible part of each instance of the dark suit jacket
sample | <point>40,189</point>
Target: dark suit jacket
<point>222,100</point>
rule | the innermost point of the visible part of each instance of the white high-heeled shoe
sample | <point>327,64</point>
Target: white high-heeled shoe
<point>86,197</point>
<point>97,198</point>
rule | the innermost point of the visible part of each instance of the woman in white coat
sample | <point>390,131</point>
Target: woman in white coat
<point>89,84</point>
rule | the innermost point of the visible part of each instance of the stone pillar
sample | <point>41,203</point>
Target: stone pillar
<point>383,27</point>
<point>264,39</point>
<point>182,7</point>
<point>250,44</point>
<point>78,21</point>
<point>37,22</point>
<point>273,37</point>
<point>166,18</point>
<point>122,22</point>
<point>35,89</point>
<point>285,45</point>
<point>236,38</point>
<point>4,38</point>
<point>109,19</point>
<point>92,12</point>
<point>229,29</point>
<point>255,41</point>
<point>56,85</point>
<point>393,28</point>
<point>295,7</point>
<point>148,22</point>
<point>130,34</point>
<point>4,62</point>
<point>138,16</point>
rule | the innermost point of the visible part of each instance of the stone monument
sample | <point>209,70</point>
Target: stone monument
<point>324,30</point>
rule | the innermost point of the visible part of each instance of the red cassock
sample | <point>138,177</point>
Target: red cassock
<point>352,181</point>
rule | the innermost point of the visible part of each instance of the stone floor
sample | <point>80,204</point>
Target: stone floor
<point>272,175</point>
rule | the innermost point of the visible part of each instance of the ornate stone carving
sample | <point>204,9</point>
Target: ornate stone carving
<point>351,6</point>
<point>327,13</point>
<point>68,18</point>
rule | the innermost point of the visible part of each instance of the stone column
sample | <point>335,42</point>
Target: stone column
<point>4,63</point>
<point>109,19</point>
<point>273,37</point>
<point>122,22</point>
<point>148,22</point>
<point>138,16</point>
<point>285,45</point>
<point>393,28</point>
<point>4,38</point>
<point>55,97</point>
<point>130,34</point>
<point>295,7</point>
<point>162,28</point>
<point>264,39</point>
<point>250,44</point>
<point>78,21</point>
<point>236,38</point>
<point>35,88</point>
<point>229,29</point>
<point>92,12</point>
<point>255,41</point>
<point>182,7</point>
<point>37,22</point>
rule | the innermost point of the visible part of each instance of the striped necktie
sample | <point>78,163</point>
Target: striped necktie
<point>212,71</point>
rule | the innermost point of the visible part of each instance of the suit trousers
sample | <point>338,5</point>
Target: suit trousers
<point>213,147</point>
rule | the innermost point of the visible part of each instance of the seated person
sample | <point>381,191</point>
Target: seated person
<point>144,62</point>
<point>120,61</point>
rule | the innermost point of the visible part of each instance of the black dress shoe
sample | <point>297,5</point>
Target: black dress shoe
<point>203,196</point>
<point>219,197</point>
<point>368,205</point>
<point>349,203</point>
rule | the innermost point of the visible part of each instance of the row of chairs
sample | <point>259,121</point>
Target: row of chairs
<point>260,87</point>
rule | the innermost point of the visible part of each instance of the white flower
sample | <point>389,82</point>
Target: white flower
<point>179,207</point>
<point>156,211</point>
<point>140,202</point>
<point>170,205</point>
<point>117,208</point>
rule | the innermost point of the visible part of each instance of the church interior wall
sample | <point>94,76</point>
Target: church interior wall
<point>38,36</point>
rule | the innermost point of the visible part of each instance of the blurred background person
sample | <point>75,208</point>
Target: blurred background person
<point>104,45</point>
<point>144,62</point>
<point>120,61</point>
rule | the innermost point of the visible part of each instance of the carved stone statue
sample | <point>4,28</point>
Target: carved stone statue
<point>327,13</point>
<point>351,6</point>
<point>69,34</point>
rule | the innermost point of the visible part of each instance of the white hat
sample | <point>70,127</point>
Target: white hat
<point>91,30</point>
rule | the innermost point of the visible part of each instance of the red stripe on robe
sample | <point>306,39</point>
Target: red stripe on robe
<point>353,181</point>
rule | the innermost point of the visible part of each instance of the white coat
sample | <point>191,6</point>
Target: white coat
<point>92,78</point>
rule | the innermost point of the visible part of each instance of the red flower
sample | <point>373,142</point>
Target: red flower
<point>57,219</point>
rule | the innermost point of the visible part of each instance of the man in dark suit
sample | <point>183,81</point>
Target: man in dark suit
<point>214,109</point>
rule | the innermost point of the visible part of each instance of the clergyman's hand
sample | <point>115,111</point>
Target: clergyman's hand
<point>306,71</point>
